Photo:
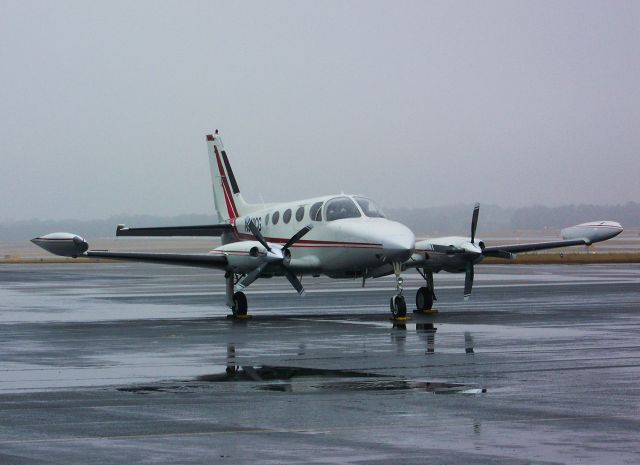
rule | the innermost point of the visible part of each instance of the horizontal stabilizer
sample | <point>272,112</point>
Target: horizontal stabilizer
<point>211,230</point>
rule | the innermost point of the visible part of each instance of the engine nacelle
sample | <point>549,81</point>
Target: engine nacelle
<point>62,243</point>
<point>243,256</point>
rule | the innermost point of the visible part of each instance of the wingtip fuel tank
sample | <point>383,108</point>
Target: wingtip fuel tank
<point>62,243</point>
<point>594,231</point>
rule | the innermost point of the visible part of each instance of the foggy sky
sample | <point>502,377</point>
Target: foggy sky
<point>105,105</point>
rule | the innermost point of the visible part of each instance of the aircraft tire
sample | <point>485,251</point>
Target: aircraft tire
<point>398,306</point>
<point>424,299</point>
<point>239,304</point>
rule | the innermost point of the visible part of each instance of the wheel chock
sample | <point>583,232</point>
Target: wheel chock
<point>431,311</point>
<point>399,319</point>
<point>239,317</point>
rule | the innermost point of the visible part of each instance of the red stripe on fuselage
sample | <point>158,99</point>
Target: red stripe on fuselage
<point>231,206</point>
<point>310,243</point>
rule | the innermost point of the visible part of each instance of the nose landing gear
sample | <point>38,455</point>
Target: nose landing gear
<point>398,305</point>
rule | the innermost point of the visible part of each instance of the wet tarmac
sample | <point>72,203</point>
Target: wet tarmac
<point>123,363</point>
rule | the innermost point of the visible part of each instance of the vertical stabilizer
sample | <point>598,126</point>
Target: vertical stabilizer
<point>226,193</point>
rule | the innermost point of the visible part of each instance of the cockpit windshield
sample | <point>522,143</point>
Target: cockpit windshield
<point>341,207</point>
<point>369,207</point>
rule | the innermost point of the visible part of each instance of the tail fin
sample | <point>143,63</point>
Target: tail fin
<point>226,193</point>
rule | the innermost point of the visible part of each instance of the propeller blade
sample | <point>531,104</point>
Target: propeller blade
<point>258,235</point>
<point>468,281</point>
<point>474,221</point>
<point>293,279</point>
<point>297,236</point>
<point>252,276</point>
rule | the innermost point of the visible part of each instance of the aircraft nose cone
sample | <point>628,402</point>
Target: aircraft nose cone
<point>399,245</point>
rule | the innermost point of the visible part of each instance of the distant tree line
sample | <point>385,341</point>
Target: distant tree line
<point>538,217</point>
<point>455,219</point>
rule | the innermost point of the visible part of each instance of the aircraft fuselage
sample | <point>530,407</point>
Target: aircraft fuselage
<point>344,246</point>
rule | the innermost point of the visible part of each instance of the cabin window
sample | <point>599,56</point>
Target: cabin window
<point>266,220</point>
<point>286,216</point>
<point>340,208</point>
<point>299,214</point>
<point>315,212</point>
<point>369,207</point>
<point>275,217</point>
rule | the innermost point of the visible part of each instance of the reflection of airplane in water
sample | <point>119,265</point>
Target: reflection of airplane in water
<point>427,333</point>
<point>304,379</point>
<point>341,236</point>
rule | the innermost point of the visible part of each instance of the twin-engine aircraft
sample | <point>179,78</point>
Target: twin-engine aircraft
<point>341,236</point>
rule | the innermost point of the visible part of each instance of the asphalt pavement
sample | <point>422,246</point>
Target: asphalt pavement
<point>124,363</point>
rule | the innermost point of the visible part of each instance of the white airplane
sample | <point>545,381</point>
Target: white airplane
<point>341,236</point>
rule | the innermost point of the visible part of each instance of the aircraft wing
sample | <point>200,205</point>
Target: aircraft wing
<point>581,234</point>
<point>455,253</point>
<point>459,254</point>
<point>210,230</point>
<point>204,260</point>
<point>502,251</point>
<point>72,245</point>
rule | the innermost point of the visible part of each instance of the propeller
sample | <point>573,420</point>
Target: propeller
<point>276,257</point>
<point>471,252</point>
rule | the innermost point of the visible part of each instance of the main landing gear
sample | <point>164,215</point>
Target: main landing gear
<point>237,301</point>
<point>425,295</point>
<point>398,305</point>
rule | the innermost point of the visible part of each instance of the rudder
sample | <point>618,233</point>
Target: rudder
<point>227,198</point>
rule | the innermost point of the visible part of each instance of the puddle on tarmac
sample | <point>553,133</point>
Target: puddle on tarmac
<point>300,379</point>
<point>278,373</point>
<point>375,385</point>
